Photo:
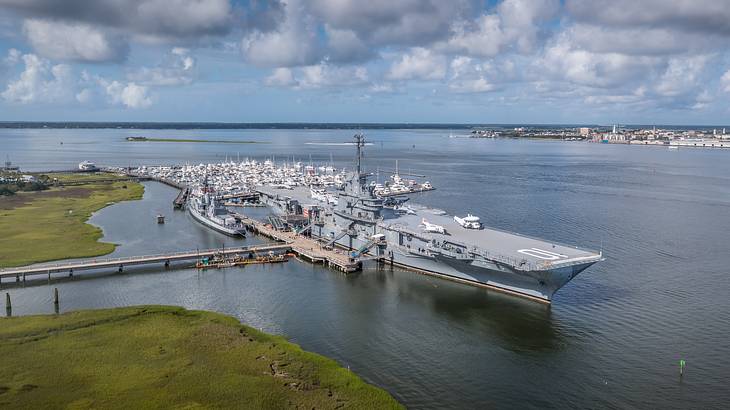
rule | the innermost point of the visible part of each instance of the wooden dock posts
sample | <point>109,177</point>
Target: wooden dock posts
<point>9,305</point>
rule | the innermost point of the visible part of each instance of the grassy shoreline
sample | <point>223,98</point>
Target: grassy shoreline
<point>166,357</point>
<point>52,225</point>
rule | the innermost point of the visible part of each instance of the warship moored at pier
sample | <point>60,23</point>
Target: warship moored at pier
<point>206,209</point>
<point>429,241</point>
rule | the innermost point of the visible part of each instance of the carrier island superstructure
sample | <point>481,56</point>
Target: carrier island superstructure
<point>429,241</point>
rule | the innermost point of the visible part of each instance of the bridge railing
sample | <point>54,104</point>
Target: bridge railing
<point>128,259</point>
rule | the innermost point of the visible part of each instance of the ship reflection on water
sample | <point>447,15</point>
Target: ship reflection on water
<point>515,324</point>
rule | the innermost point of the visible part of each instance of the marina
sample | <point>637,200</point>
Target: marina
<point>343,210</point>
<point>415,204</point>
<point>621,325</point>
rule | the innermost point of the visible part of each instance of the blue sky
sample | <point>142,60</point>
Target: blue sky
<point>507,61</point>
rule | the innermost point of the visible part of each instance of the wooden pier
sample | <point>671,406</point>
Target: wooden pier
<point>120,263</point>
<point>182,197</point>
<point>304,247</point>
<point>246,196</point>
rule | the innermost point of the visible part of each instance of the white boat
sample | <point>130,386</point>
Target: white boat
<point>87,166</point>
<point>469,222</point>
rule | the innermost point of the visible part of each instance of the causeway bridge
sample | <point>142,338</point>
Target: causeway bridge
<point>69,268</point>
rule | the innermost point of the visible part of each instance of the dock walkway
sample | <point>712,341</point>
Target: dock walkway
<point>307,248</point>
<point>181,198</point>
<point>120,263</point>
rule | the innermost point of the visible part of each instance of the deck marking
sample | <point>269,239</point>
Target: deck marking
<point>542,254</point>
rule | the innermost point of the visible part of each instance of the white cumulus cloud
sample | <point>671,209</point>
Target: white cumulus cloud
<point>515,24</point>
<point>469,76</point>
<point>725,81</point>
<point>40,82</point>
<point>293,43</point>
<point>177,68</point>
<point>420,63</point>
<point>281,77</point>
<point>73,41</point>
<point>130,95</point>
<point>320,75</point>
<point>682,76</point>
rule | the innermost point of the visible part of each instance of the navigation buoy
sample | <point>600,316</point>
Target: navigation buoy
<point>682,365</point>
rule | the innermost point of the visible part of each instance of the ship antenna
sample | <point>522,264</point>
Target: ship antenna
<point>359,144</point>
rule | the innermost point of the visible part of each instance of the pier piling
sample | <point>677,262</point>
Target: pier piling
<point>55,300</point>
<point>8,305</point>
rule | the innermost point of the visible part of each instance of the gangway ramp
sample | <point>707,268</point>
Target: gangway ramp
<point>369,245</point>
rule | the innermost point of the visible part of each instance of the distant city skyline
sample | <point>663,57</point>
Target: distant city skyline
<point>339,61</point>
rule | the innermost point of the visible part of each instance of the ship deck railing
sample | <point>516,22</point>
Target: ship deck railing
<point>517,263</point>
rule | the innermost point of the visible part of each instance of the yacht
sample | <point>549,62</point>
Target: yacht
<point>469,222</point>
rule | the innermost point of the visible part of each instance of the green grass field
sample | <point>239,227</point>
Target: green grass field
<point>51,225</point>
<point>166,357</point>
<point>83,176</point>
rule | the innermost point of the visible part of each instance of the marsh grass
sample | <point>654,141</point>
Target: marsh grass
<point>51,225</point>
<point>166,357</point>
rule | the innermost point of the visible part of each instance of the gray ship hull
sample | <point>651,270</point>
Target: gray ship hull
<point>236,232</point>
<point>535,285</point>
<point>427,240</point>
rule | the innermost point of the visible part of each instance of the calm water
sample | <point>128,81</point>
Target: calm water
<point>612,338</point>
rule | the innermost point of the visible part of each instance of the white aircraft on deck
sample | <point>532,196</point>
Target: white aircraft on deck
<point>433,228</point>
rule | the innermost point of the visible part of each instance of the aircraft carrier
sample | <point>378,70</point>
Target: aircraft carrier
<point>429,241</point>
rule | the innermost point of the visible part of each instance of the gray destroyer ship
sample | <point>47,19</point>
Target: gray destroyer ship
<point>429,241</point>
<point>205,208</point>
